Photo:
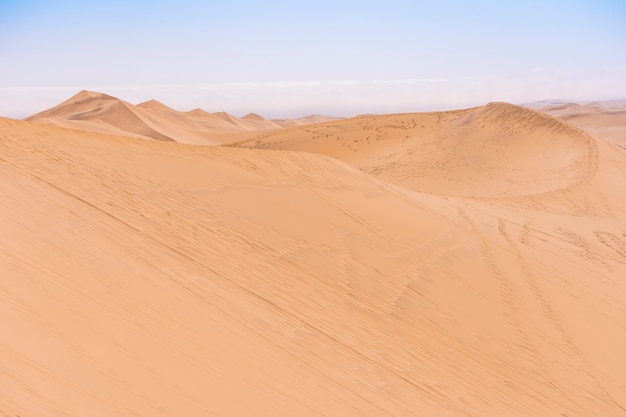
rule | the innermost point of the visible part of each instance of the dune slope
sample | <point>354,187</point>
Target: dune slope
<point>605,119</point>
<point>151,278</point>
<point>499,150</point>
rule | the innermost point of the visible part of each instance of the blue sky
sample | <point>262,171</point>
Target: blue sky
<point>289,58</point>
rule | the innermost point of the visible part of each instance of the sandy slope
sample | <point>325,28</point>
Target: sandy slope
<point>604,119</point>
<point>103,113</point>
<point>492,151</point>
<point>151,278</point>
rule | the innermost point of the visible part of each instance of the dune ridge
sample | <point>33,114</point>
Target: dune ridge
<point>604,119</point>
<point>463,263</point>
<point>152,120</point>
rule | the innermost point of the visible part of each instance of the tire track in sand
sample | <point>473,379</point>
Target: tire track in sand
<point>512,311</point>
<point>548,312</point>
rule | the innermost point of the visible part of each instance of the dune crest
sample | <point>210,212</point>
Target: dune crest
<point>155,105</point>
<point>253,116</point>
<point>306,120</point>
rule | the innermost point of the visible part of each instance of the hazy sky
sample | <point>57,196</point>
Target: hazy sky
<point>290,58</point>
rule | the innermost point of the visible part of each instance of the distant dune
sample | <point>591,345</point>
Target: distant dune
<point>103,113</point>
<point>306,120</point>
<point>254,117</point>
<point>98,112</point>
<point>155,105</point>
<point>604,119</point>
<point>465,263</point>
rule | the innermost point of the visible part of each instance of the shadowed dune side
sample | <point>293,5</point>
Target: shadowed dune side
<point>499,150</point>
<point>138,278</point>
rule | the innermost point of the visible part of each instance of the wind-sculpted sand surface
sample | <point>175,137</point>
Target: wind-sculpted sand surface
<point>466,263</point>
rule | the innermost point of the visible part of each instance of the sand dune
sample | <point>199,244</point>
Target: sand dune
<point>254,117</point>
<point>154,120</point>
<point>98,112</point>
<point>605,119</point>
<point>466,263</point>
<point>155,105</point>
<point>498,150</point>
<point>306,120</point>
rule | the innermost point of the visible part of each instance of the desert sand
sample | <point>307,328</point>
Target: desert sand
<point>603,119</point>
<point>464,263</point>
<point>153,120</point>
<point>93,111</point>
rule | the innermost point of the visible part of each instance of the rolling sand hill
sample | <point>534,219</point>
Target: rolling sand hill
<point>466,263</point>
<point>499,150</point>
<point>103,113</point>
<point>306,120</point>
<point>604,119</point>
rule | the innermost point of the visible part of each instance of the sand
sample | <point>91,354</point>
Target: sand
<point>99,112</point>
<point>493,151</point>
<point>466,263</point>
<point>604,119</point>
